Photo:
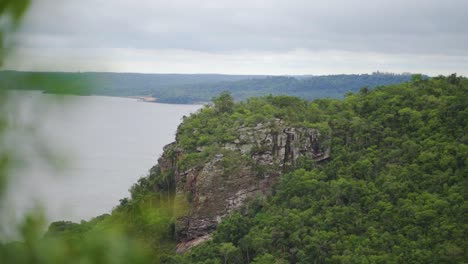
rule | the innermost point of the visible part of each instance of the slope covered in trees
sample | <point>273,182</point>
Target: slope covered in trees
<point>195,88</point>
<point>394,190</point>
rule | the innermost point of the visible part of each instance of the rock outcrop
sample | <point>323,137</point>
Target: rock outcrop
<point>242,169</point>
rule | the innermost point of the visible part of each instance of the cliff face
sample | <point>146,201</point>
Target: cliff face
<point>241,169</point>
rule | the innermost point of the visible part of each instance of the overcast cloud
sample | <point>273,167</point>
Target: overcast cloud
<point>245,36</point>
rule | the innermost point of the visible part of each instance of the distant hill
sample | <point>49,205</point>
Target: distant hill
<point>312,87</point>
<point>194,88</point>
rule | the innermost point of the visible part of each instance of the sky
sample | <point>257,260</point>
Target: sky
<point>273,37</point>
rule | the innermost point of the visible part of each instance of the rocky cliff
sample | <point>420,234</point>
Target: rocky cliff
<point>235,171</point>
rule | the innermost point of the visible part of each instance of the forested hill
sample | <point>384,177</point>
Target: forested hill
<point>195,88</point>
<point>393,189</point>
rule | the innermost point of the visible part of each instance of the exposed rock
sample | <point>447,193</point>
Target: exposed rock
<point>277,142</point>
<point>214,190</point>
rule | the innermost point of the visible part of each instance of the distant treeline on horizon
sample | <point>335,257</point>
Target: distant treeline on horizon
<point>195,88</point>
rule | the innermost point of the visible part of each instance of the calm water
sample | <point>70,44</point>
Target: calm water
<point>101,144</point>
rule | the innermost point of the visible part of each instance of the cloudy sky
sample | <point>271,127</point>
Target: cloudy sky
<point>245,36</point>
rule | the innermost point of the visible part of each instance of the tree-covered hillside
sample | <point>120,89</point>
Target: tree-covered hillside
<point>393,192</point>
<point>195,88</point>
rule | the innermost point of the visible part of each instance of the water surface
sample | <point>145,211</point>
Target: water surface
<point>102,144</point>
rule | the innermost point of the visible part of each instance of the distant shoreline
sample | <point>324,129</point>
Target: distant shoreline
<point>152,99</point>
<point>149,99</point>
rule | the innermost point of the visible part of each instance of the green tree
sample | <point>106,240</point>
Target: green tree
<point>224,103</point>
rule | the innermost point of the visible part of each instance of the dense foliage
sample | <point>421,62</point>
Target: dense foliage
<point>195,88</point>
<point>394,190</point>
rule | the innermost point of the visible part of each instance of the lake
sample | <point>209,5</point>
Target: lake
<point>99,145</point>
